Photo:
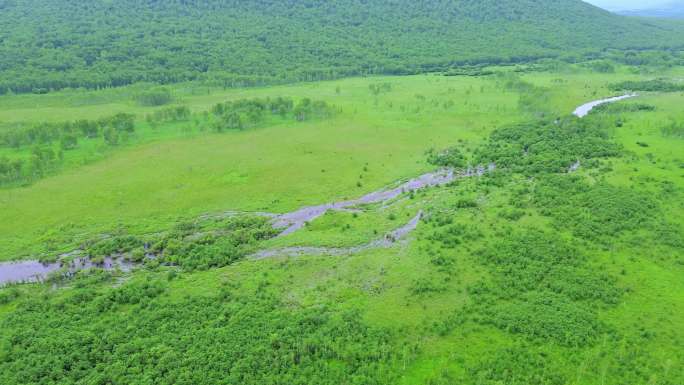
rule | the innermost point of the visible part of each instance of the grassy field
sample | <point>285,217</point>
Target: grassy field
<point>177,170</point>
<point>460,298</point>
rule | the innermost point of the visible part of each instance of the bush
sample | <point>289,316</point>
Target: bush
<point>545,316</point>
<point>170,114</point>
<point>426,286</point>
<point>674,129</point>
<point>112,246</point>
<point>8,295</point>
<point>647,85</point>
<point>521,364</point>
<point>546,147</point>
<point>114,334</point>
<point>68,142</point>
<point>450,157</point>
<point>616,108</point>
<point>198,248</point>
<point>154,97</point>
<point>594,212</point>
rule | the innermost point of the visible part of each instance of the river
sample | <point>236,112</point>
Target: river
<point>35,271</point>
<point>586,108</point>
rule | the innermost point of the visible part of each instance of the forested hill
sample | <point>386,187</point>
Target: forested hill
<point>52,44</point>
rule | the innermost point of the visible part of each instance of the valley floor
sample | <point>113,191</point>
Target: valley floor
<point>559,261</point>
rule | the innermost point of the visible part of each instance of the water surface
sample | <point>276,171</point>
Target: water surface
<point>586,108</point>
<point>36,271</point>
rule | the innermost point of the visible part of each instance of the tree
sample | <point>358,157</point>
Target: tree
<point>123,122</point>
<point>303,109</point>
<point>154,97</point>
<point>68,142</point>
<point>230,121</point>
<point>111,136</point>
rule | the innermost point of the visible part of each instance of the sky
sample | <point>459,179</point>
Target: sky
<point>618,5</point>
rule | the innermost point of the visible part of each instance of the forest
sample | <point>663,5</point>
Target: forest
<point>57,44</point>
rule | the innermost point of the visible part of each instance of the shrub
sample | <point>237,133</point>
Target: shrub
<point>546,147</point>
<point>547,316</point>
<point>594,212</point>
<point>450,157</point>
<point>154,97</point>
<point>647,85</point>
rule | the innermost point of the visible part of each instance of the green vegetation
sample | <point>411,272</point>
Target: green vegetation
<point>40,147</point>
<point>623,108</point>
<point>546,146</point>
<point>180,169</point>
<point>648,85</point>
<point>554,257</point>
<point>450,157</point>
<point>57,44</point>
<point>44,156</point>
<point>137,328</point>
<point>154,97</point>
<point>539,272</point>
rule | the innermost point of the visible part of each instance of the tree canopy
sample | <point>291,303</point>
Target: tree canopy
<point>54,44</point>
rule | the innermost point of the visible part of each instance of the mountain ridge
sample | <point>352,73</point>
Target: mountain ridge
<point>103,44</point>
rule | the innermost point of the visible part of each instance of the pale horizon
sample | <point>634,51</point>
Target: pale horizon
<point>621,5</point>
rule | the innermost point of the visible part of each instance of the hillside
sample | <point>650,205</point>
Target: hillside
<point>53,44</point>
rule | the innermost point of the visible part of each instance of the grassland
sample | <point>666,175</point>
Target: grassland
<point>448,298</point>
<point>178,170</point>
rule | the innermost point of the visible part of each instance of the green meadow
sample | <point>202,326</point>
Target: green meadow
<point>528,274</point>
<point>184,169</point>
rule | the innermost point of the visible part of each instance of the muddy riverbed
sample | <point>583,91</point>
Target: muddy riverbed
<point>35,271</point>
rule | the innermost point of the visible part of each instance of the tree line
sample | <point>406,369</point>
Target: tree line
<point>67,133</point>
<point>49,141</point>
<point>247,113</point>
<point>57,44</point>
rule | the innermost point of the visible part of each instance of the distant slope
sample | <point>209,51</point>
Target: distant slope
<point>52,44</point>
<point>674,10</point>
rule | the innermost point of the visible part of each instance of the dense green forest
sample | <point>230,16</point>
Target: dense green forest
<point>55,44</point>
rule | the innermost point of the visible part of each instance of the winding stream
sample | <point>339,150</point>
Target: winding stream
<point>586,108</point>
<point>388,240</point>
<point>295,220</point>
<point>35,271</point>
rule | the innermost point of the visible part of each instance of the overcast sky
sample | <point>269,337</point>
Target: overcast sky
<point>628,4</point>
